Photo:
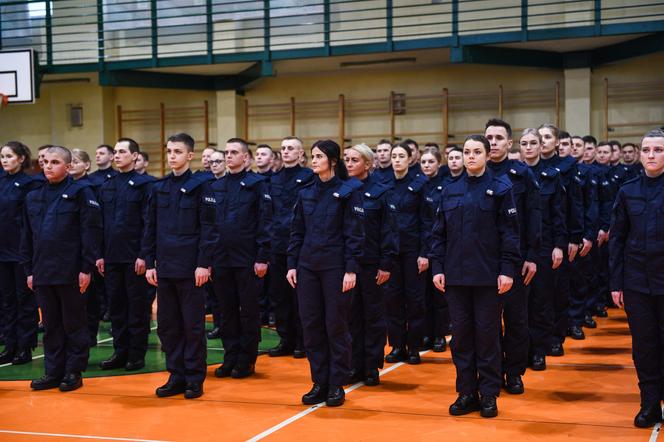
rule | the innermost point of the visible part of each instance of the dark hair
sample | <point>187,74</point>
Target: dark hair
<point>333,153</point>
<point>454,148</point>
<point>577,136</point>
<point>615,142</point>
<point>554,129</point>
<point>145,156</point>
<point>64,153</point>
<point>434,145</point>
<point>241,142</point>
<point>409,141</point>
<point>605,143</point>
<point>265,146</point>
<point>481,138</point>
<point>184,138</point>
<point>451,146</point>
<point>20,150</point>
<point>655,133</point>
<point>105,146</point>
<point>500,123</point>
<point>133,145</point>
<point>43,147</point>
<point>384,141</point>
<point>629,145</point>
<point>404,146</point>
<point>589,139</point>
<point>562,135</point>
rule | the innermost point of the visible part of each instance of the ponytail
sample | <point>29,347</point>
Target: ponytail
<point>333,153</point>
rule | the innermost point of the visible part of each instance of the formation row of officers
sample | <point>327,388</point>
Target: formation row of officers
<point>510,255</point>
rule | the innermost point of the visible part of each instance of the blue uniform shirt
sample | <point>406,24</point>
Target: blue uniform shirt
<point>384,174</point>
<point>284,188</point>
<point>476,232</point>
<point>99,177</point>
<point>588,182</point>
<point>412,214</point>
<point>327,231</point>
<point>62,232</point>
<point>13,190</point>
<point>527,199</point>
<point>244,216</point>
<point>573,194</point>
<point>181,233</point>
<point>124,203</point>
<point>552,197</point>
<point>636,243</point>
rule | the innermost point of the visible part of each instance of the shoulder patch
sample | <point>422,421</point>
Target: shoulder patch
<point>92,203</point>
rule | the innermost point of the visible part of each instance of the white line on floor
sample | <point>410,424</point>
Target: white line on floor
<point>655,431</point>
<point>77,436</point>
<point>98,342</point>
<point>313,408</point>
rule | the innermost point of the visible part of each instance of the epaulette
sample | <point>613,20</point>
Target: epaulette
<point>550,172</point>
<point>192,184</point>
<point>376,190</point>
<point>354,183</point>
<point>632,180</point>
<point>417,184</point>
<point>500,185</point>
<point>343,191</point>
<point>140,180</point>
<point>251,179</point>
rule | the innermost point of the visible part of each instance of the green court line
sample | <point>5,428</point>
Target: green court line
<point>155,359</point>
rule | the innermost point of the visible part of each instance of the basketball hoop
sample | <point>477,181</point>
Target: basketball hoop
<point>4,100</point>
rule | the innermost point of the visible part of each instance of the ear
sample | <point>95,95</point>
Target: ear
<point>190,156</point>
<point>509,143</point>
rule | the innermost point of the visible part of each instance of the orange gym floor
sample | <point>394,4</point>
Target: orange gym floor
<point>588,394</point>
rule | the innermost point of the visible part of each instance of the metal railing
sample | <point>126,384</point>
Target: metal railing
<point>98,34</point>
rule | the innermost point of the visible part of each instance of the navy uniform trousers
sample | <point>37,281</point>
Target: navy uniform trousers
<point>475,315</point>
<point>515,341</point>
<point>19,307</point>
<point>129,307</point>
<point>325,314</point>
<point>368,327</point>
<point>645,315</point>
<point>561,295</point>
<point>66,340</point>
<point>405,303</point>
<point>541,314</point>
<point>284,303</point>
<point>580,282</point>
<point>181,328</point>
<point>437,318</point>
<point>237,289</point>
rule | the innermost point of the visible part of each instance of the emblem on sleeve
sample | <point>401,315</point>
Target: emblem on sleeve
<point>93,203</point>
<point>511,211</point>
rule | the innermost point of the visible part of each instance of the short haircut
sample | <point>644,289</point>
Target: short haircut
<point>499,123</point>
<point>562,135</point>
<point>434,145</point>
<point>21,150</point>
<point>145,156</point>
<point>404,146</point>
<point>184,138</point>
<point>265,146</point>
<point>241,142</point>
<point>589,139</point>
<point>632,145</point>
<point>454,148</point>
<point>451,146</point>
<point>365,152</point>
<point>384,141</point>
<point>80,155</point>
<point>482,139</point>
<point>553,128</point>
<point>655,133</point>
<point>133,145</point>
<point>296,139</point>
<point>409,141</point>
<point>615,143</point>
<point>64,153</point>
<point>433,150</point>
<point>44,147</point>
<point>531,131</point>
<point>577,137</point>
<point>605,143</point>
<point>105,146</point>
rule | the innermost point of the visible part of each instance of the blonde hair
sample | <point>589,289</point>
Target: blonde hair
<point>365,152</point>
<point>81,155</point>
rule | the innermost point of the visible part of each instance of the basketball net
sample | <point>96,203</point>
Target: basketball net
<point>4,100</point>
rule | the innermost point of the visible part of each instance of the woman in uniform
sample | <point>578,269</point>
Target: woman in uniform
<point>380,250</point>
<point>636,260</point>
<point>405,289</point>
<point>17,302</point>
<point>327,235</point>
<point>475,252</point>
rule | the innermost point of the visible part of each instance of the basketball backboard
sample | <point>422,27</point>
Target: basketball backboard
<point>17,75</point>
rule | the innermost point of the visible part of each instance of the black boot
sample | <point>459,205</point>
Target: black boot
<point>439,345</point>
<point>115,361</point>
<point>513,384</point>
<point>22,357</point>
<point>372,377</point>
<point>215,333</point>
<point>171,388</point>
<point>316,395</point>
<point>396,355</point>
<point>46,382</point>
<point>575,332</point>
<point>557,350</point>
<point>335,396</point>
<point>465,403</point>
<point>488,406</point>
<point>589,322</point>
<point>71,382</point>
<point>282,349</point>
<point>538,363</point>
<point>7,356</point>
<point>648,416</point>
<point>414,357</point>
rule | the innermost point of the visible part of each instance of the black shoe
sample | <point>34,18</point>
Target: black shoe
<point>7,356</point>
<point>396,355</point>
<point>335,396</point>
<point>106,317</point>
<point>538,363</point>
<point>427,343</point>
<point>22,357</point>
<point>355,376</point>
<point>589,322</point>
<point>71,382</point>
<point>224,371</point>
<point>135,365</point>
<point>601,312</point>
<point>488,406</point>
<point>575,332</point>
<point>241,371</point>
<point>464,404</point>
<point>414,357</point>
<point>115,361</point>
<point>299,353</point>
<point>282,349</point>
<point>46,382</point>
<point>171,388</point>
<point>215,333</point>
<point>193,390</point>
<point>372,377</point>
<point>439,345</point>
<point>648,416</point>
<point>513,384</point>
<point>557,350</point>
<point>316,395</point>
